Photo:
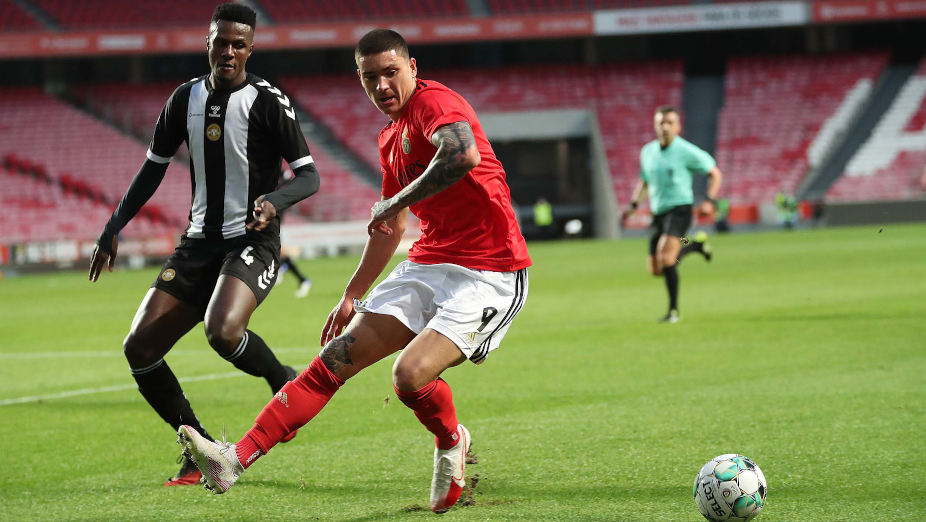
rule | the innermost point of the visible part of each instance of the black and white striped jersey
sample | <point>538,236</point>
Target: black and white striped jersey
<point>237,139</point>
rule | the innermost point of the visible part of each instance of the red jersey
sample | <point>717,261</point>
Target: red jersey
<point>470,223</point>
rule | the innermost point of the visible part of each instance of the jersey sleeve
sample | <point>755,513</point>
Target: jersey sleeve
<point>434,109</point>
<point>699,160</point>
<point>284,127</point>
<point>170,130</point>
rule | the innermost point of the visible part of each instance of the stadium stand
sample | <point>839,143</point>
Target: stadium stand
<point>327,11</point>
<point>890,164</point>
<point>83,157</point>
<point>622,95</point>
<point>135,108</point>
<point>774,107</point>
<point>13,18</point>
<point>107,14</point>
<point>504,7</point>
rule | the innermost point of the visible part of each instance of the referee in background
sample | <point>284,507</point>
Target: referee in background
<point>666,167</point>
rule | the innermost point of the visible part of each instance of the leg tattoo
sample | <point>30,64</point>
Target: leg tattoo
<point>336,354</point>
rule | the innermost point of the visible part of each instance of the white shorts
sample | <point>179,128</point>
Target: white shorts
<point>472,308</point>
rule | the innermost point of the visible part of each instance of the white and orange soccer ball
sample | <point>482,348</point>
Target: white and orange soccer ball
<point>730,487</point>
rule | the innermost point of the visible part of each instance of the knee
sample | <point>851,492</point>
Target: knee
<point>224,335</point>
<point>138,351</point>
<point>666,259</point>
<point>407,376</point>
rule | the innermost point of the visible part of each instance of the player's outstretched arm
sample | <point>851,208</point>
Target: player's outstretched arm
<point>376,255</point>
<point>139,192</point>
<point>456,155</point>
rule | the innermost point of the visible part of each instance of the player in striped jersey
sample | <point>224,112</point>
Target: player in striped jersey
<point>238,128</point>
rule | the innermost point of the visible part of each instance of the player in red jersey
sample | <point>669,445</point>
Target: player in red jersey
<point>453,299</point>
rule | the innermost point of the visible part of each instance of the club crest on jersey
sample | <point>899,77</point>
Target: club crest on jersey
<point>406,143</point>
<point>214,132</point>
<point>215,111</point>
<point>168,275</point>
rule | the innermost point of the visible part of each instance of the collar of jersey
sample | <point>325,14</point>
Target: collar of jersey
<point>242,85</point>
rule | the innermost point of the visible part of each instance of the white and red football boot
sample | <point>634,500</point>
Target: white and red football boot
<point>216,460</point>
<point>449,473</point>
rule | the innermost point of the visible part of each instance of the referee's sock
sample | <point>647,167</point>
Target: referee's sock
<point>298,402</point>
<point>671,275</point>
<point>692,246</point>
<point>253,357</point>
<point>433,405</point>
<point>159,386</point>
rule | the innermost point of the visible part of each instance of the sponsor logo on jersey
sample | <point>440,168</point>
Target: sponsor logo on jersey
<point>215,111</point>
<point>214,132</point>
<point>168,275</point>
<point>406,143</point>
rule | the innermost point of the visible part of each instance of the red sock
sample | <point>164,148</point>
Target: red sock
<point>433,405</point>
<point>290,409</point>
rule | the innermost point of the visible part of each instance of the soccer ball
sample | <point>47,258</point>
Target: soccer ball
<point>729,487</point>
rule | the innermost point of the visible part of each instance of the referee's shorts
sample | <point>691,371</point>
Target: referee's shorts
<point>673,222</point>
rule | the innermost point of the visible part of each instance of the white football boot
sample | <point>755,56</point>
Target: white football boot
<point>449,467</point>
<point>217,461</point>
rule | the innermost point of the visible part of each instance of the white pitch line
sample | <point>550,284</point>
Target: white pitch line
<point>109,353</point>
<point>104,389</point>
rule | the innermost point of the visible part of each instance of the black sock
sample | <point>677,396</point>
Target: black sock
<point>671,275</point>
<point>692,246</point>
<point>254,357</point>
<point>159,386</point>
<point>293,268</point>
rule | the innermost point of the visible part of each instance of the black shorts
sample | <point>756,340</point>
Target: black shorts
<point>191,272</point>
<point>673,222</point>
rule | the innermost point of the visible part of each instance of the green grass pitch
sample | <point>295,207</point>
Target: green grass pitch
<point>805,351</point>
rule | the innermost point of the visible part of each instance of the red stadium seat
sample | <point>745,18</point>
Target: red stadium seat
<point>14,18</point>
<point>903,177</point>
<point>774,107</point>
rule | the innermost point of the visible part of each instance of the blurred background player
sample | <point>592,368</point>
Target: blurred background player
<point>787,209</point>
<point>453,299</point>
<point>236,130</point>
<point>666,167</point>
<point>288,265</point>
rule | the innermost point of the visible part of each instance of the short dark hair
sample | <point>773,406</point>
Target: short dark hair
<point>235,13</point>
<point>379,41</point>
<point>665,109</point>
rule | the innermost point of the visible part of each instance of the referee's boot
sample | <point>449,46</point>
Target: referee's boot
<point>671,317</point>
<point>701,237</point>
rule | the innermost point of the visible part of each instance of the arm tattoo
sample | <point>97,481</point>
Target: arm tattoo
<point>336,354</point>
<point>448,166</point>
